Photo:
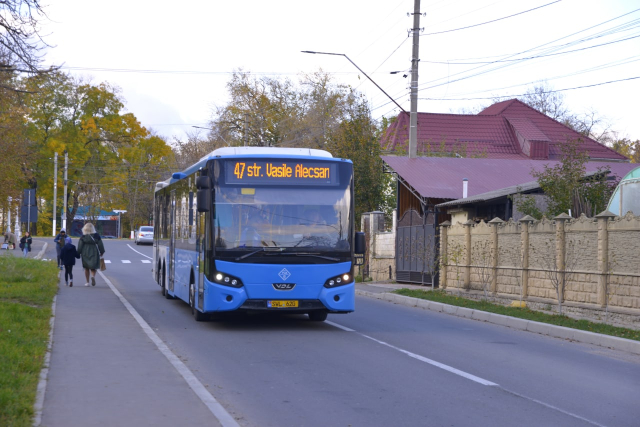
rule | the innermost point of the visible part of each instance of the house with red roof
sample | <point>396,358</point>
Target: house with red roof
<point>506,130</point>
<point>492,150</point>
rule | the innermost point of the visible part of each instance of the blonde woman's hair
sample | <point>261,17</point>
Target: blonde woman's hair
<point>88,229</point>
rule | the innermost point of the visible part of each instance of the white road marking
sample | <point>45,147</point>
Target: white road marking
<point>107,261</point>
<point>464,374</point>
<point>126,261</point>
<point>146,256</point>
<point>146,261</point>
<point>218,411</point>
<point>421,358</point>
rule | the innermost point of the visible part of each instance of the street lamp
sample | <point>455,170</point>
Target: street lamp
<point>365,74</point>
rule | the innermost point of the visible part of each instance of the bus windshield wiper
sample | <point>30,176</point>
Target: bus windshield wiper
<point>262,249</point>
<point>311,254</point>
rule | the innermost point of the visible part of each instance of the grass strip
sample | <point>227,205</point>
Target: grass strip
<point>27,288</point>
<point>522,313</point>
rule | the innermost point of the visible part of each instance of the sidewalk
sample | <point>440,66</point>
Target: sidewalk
<point>104,370</point>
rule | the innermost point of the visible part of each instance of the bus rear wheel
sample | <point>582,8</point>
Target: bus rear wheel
<point>317,316</point>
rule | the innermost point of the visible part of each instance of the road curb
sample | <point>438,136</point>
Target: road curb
<point>44,372</point>
<point>511,322</point>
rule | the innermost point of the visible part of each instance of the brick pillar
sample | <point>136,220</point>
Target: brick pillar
<point>560,250</point>
<point>444,247</point>
<point>524,255</point>
<point>467,259</point>
<point>603,256</point>
<point>495,222</point>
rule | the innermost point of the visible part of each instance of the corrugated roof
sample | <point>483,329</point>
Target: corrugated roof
<point>502,192</point>
<point>491,195</point>
<point>441,177</point>
<point>491,133</point>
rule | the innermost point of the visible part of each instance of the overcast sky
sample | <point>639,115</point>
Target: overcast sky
<point>172,60</point>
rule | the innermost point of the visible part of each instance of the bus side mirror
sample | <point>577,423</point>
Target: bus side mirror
<point>359,248</point>
<point>360,243</point>
<point>203,202</point>
<point>202,183</point>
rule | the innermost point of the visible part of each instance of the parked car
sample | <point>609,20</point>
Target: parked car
<point>144,235</point>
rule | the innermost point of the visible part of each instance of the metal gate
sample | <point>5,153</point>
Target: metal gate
<point>416,249</point>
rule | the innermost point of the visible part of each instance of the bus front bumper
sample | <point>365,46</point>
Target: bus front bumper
<point>340,299</point>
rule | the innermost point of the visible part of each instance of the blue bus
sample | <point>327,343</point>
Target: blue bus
<point>259,229</point>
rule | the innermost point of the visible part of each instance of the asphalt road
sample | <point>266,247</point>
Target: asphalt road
<point>383,365</point>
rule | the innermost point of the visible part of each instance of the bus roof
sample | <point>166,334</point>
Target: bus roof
<point>276,151</point>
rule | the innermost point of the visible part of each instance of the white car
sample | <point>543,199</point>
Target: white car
<point>144,235</point>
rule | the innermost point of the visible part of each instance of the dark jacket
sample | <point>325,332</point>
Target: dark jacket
<point>59,241</point>
<point>25,242</point>
<point>91,248</point>
<point>69,254</point>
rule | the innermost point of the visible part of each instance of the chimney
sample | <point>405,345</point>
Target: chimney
<point>465,186</point>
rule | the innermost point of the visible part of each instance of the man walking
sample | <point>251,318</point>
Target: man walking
<point>60,241</point>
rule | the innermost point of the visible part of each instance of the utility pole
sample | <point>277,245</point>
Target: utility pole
<point>9,213</point>
<point>55,189</point>
<point>64,214</point>
<point>413,116</point>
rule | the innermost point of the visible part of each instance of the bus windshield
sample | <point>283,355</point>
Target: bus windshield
<point>291,218</point>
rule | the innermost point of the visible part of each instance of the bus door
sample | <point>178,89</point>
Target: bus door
<point>172,241</point>
<point>202,253</point>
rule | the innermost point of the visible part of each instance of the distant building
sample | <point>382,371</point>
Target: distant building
<point>106,223</point>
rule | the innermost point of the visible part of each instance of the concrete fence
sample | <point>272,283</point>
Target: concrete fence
<point>591,265</point>
<point>380,263</point>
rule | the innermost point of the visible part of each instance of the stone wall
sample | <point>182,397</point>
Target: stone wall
<point>586,263</point>
<point>380,262</point>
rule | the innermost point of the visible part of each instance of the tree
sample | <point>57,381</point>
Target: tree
<point>20,39</point>
<point>357,139</point>
<point>628,148</point>
<point>567,188</point>
<point>111,153</point>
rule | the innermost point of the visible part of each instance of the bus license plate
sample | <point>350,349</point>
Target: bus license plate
<point>282,304</point>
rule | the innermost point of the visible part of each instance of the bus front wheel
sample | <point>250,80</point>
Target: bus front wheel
<point>198,315</point>
<point>318,316</point>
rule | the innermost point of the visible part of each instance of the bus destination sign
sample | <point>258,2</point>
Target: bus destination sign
<point>283,172</point>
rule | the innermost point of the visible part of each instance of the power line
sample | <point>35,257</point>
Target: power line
<point>488,22</point>
<point>530,57</point>
<point>524,94</point>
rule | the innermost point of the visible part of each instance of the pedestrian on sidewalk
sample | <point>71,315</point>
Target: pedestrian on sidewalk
<point>68,256</point>
<point>91,249</point>
<point>11,240</point>
<point>25,244</point>
<point>59,241</point>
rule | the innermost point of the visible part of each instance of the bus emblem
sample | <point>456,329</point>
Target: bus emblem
<point>284,274</point>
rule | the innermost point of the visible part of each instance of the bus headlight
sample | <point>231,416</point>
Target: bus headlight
<point>343,279</point>
<point>227,280</point>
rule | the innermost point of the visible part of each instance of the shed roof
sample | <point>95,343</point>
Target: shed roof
<point>441,177</point>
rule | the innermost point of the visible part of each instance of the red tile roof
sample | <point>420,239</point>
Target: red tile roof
<point>504,130</point>
<point>441,177</point>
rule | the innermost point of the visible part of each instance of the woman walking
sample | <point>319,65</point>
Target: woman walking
<point>91,249</point>
<point>68,255</point>
<point>25,244</point>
